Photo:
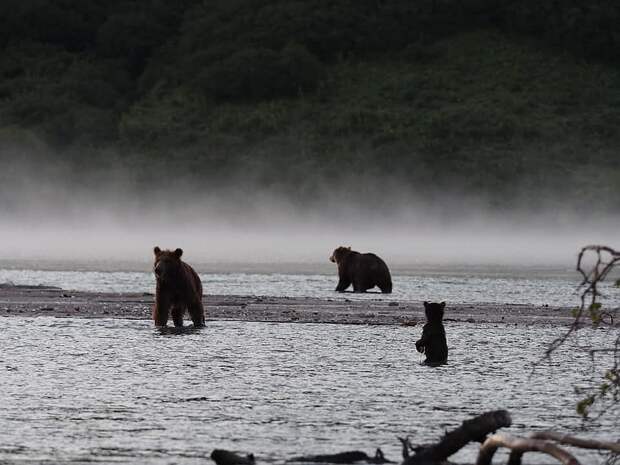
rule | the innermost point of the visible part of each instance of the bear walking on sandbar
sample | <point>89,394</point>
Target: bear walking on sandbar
<point>433,341</point>
<point>363,270</point>
<point>178,288</point>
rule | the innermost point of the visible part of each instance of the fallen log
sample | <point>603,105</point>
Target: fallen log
<point>577,442</point>
<point>475,429</point>
<point>518,447</point>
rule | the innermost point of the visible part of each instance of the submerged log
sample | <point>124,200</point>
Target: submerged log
<point>343,458</point>
<point>519,446</point>
<point>226,457</point>
<point>475,429</point>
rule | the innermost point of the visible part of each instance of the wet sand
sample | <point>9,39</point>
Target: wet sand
<point>35,301</point>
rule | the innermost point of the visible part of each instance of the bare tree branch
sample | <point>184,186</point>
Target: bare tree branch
<point>604,260</point>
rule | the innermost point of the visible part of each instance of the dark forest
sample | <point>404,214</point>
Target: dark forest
<point>505,100</point>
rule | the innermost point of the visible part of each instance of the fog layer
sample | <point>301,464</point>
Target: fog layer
<point>212,228</point>
<point>48,212</point>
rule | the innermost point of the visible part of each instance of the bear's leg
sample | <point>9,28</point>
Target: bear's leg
<point>160,316</point>
<point>197,313</point>
<point>359,287</point>
<point>160,310</point>
<point>343,284</point>
<point>386,288</point>
<point>177,315</point>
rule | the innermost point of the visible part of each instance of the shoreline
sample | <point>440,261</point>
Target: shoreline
<point>37,301</point>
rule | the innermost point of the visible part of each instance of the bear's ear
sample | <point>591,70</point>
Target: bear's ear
<point>348,248</point>
<point>442,305</point>
<point>156,251</point>
<point>178,253</point>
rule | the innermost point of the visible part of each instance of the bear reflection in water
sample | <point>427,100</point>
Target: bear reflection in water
<point>363,270</point>
<point>433,341</point>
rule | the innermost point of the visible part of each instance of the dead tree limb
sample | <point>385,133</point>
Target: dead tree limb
<point>577,442</point>
<point>518,447</point>
<point>475,429</point>
<point>593,273</point>
<point>606,259</point>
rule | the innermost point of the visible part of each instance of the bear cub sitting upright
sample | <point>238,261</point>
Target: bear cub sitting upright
<point>433,341</point>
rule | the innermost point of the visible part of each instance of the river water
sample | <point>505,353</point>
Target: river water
<point>115,391</point>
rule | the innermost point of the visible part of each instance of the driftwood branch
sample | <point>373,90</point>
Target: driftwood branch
<point>577,442</point>
<point>518,447</point>
<point>475,429</point>
<point>406,446</point>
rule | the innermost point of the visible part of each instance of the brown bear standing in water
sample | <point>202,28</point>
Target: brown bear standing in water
<point>178,288</point>
<point>363,270</point>
<point>433,341</point>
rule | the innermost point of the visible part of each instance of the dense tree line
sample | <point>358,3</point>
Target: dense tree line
<point>215,77</point>
<point>71,68</point>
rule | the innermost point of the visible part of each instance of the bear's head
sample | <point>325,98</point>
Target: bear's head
<point>339,254</point>
<point>434,311</point>
<point>168,266</point>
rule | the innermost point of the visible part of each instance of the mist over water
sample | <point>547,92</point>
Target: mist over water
<point>52,212</point>
<point>274,233</point>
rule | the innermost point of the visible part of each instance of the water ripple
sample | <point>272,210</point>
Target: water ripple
<point>110,390</point>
